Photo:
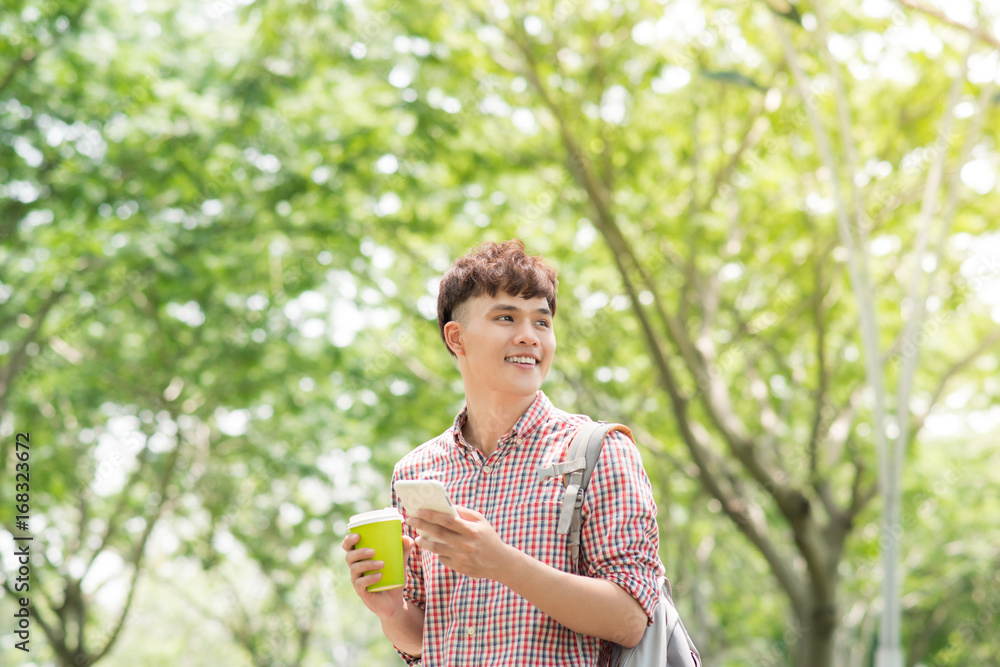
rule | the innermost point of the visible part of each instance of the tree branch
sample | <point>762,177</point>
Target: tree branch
<point>753,131</point>
<point>140,549</point>
<point>41,587</point>
<point>917,295</point>
<point>861,494</point>
<point>860,281</point>
<point>56,638</point>
<point>991,339</point>
<point>26,58</point>
<point>844,417</point>
<point>119,514</point>
<point>768,417</point>
<point>844,118</point>
<point>790,501</point>
<point>30,56</point>
<point>607,167</point>
<point>737,509</point>
<point>716,399</point>
<point>10,371</point>
<point>822,374</point>
<point>580,165</point>
<point>976,32</point>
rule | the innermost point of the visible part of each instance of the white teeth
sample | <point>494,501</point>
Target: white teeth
<point>522,360</point>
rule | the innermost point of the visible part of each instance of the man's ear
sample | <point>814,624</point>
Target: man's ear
<point>453,338</point>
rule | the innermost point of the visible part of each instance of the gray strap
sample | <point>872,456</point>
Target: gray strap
<point>581,441</point>
<point>581,459</point>
<point>561,468</point>
<point>574,468</point>
<point>596,432</point>
<point>568,510</point>
<point>586,445</point>
<point>574,534</point>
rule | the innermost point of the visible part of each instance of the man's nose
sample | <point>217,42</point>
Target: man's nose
<point>526,334</point>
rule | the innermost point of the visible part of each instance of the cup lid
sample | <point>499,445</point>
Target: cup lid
<point>384,514</point>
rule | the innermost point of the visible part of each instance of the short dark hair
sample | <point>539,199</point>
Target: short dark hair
<point>490,268</point>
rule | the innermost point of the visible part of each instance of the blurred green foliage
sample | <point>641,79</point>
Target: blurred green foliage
<point>220,229</point>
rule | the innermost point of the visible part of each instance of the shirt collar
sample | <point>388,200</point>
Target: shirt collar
<point>536,414</point>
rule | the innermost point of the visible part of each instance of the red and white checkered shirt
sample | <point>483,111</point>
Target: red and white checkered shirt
<point>477,622</point>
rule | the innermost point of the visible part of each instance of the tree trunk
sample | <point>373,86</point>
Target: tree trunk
<point>818,628</point>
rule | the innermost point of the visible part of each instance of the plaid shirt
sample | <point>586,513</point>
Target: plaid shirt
<point>478,622</point>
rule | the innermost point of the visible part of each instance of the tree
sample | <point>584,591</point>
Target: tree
<point>784,452</point>
<point>219,251</point>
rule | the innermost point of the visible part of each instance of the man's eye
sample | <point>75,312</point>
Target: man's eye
<point>544,323</point>
<point>506,317</point>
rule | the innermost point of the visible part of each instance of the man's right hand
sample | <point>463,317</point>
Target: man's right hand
<point>382,603</point>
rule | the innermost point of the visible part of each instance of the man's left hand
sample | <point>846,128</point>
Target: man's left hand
<point>467,544</point>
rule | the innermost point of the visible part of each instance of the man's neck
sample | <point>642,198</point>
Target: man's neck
<point>490,419</point>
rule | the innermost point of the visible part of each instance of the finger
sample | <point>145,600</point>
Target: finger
<point>362,583</point>
<point>359,569</point>
<point>408,544</point>
<point>420,525</point>
<point>443,522</point>
<point>356,555</point>
<point>349,541</point>
<point>439,518</point>
<point>433,546</point>
<point>469,514</point>
<point>431,531</point>
<point>362,566</point>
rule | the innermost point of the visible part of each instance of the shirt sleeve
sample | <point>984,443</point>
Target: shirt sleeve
<point>407,658</point>
<point>413,590</point>
<point>619,538</point>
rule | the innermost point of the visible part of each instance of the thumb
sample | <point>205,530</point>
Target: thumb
<point>408,545</point>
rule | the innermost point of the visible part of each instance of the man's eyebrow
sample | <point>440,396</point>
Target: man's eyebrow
<point>510,308</point>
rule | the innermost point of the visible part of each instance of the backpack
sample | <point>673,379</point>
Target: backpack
<point>666,643</point>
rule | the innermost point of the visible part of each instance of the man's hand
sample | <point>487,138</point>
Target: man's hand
<point>382,603</point>
<point>467,544</point>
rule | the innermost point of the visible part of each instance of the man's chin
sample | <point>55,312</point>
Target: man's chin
<point>519,390</point>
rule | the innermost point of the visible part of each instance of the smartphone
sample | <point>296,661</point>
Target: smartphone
<point>424,494</point>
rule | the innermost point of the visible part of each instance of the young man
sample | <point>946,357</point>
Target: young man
<point>495,585</point>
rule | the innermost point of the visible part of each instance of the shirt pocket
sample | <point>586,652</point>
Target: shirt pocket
<point>529,523</point>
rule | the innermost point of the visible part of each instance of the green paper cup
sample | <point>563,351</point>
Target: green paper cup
<point>382,530</point>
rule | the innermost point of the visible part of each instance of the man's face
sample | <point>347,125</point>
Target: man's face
<point>506,343</point>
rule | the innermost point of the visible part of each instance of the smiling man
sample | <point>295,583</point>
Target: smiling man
<point>495,585</point>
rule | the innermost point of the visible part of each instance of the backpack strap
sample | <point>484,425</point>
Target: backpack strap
<point>667,639</point>
<point>581,459</point>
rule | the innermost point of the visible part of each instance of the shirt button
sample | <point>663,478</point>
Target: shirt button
<point>471,631</point>
<point>487,469</point>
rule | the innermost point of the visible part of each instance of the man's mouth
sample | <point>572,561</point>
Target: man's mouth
<point>522,360</point>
